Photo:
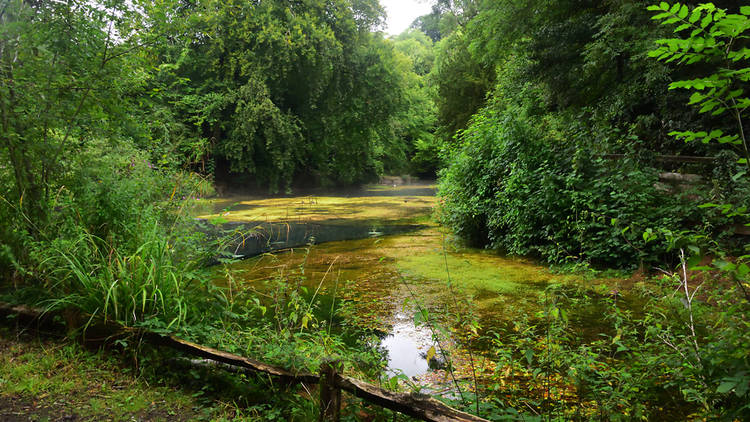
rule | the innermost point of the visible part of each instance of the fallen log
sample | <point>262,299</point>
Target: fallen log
<point>212,364</point>
<point>230,359</point>
<point>420,406</point>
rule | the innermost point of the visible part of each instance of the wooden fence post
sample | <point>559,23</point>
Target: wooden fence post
<point>330,394</point>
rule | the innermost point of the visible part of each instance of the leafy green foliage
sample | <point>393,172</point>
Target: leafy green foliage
<point>500,187</point>
<point>283,93</point>
<point>59,92</point>
<point>572,85</point>
<point>415,125</point>
<point>625,358</point>
<point>461,82</point>
<point>117,245</point>
<point>716,39</point>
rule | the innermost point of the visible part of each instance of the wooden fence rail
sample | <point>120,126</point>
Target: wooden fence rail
<point>668,158</point>
<point>230,359</point>
<point>330,379</point>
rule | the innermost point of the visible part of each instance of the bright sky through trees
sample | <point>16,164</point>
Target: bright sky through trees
<point>401,13</point>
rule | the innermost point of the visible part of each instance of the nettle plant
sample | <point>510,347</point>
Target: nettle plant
<point>720,41</point>
<point>712,36</point>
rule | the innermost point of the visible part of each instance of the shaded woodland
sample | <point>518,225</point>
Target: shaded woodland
<point>591,136</point>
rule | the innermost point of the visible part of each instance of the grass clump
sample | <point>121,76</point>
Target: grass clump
<point>127,288</point>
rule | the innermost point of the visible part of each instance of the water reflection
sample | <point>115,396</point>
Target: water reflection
<point>407,346</point>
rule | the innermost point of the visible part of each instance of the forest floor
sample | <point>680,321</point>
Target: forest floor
<point>48,379</point>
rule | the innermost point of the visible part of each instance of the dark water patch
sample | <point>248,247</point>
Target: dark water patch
<point>248,239</point>
<point>237,207</point>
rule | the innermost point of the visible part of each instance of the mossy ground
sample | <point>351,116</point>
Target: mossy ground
<point>52,379</point>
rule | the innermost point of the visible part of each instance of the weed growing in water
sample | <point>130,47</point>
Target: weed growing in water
<point>627,364</point>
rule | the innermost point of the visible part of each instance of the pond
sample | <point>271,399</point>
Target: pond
<point>383,254</point>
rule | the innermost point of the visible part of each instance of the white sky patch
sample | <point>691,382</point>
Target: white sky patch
<point>401,13</point>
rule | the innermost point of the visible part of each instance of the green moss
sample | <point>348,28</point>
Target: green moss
<point>462,271</point>
<point>319,208</point>
<point>427,255</point>
<point>378,269</point>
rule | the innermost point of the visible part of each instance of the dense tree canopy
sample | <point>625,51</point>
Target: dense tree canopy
<point>284,92</point>
<point>558,129</point>
<point>265,94</point>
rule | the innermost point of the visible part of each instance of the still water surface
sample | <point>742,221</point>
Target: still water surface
<point>390,278</point>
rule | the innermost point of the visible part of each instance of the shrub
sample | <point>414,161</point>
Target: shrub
<point>535,185</point>
<point>117,243</point>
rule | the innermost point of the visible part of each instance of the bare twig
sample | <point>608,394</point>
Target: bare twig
<point>689,299</point>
